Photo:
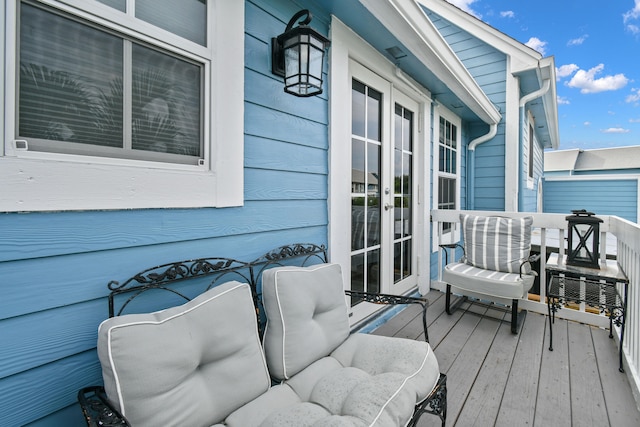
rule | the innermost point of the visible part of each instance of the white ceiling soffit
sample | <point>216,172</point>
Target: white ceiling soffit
<point>408,22</point>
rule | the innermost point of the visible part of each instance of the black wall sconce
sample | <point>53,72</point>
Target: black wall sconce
<point>584,239</point>
<point>298,56</point>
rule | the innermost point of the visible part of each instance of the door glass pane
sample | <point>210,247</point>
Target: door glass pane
<point>357,276</point>
<point>373,271</point>
<point>165,103</point>
<point>357,108</point>
<point>407,123</point>
<point>403,177</point>
<point>358,191</point>
<point>406,265</point>
<point>374,112</point>
<point>397,262</point>
<point>373,194</point>
<point>188,18</point>
<point>398,128</point>
<point>67,73</point>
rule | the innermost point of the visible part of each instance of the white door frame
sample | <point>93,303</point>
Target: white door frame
<point>349,51</point>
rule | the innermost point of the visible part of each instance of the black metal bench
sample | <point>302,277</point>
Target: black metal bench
<point>177,282</point>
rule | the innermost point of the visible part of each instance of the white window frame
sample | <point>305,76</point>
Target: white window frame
<point>39,181</point>
<point>530,149</point>
<point>440,111</point>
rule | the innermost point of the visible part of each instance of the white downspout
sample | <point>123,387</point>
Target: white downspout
<point>471,160</point>
<point>533,95</point>
<point>537,94</point>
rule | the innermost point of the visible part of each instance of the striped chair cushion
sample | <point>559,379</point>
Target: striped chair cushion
<point>497,243</point>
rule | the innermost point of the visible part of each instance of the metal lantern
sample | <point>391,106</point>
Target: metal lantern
<point>584,239</point>
<point>298,56</point>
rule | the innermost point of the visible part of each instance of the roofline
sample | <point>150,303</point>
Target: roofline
<point>409,23</point>
<point>523,58</point>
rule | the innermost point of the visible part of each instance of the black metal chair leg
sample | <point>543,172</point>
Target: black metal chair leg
<point>514,316</point>
<point>551,321</point>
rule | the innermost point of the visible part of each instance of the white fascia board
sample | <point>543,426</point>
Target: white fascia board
<point>547,69</point>
<point>408,22</point>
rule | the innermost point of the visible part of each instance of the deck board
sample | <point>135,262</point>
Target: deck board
<point>587,399</point>
<point>553,388</point>
<point>496,378</point>
<point>483,403</point>
<point>618,399</point>
<point>522,385</point>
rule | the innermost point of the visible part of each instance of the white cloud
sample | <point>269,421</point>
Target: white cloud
<point>537,44</point>
<point>566,70</point>
<point>578,41</point>
<point>634,120</point>
<point>587,82</point>
<point>466,6</point>
<point>634,97</point>
<point>632,15</point>
<point>563,101</point>
<point>507,14</point>
<point>587,124</point>
<point>615,130</point>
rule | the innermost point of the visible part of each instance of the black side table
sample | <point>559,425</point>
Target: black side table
<point>597,288</point>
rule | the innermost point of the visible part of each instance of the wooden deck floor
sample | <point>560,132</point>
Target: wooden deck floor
<point>495,378</point>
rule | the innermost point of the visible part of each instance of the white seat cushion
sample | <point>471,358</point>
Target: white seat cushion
<point>340,379</point>
<point>489,282</point>
<point>188,365</point>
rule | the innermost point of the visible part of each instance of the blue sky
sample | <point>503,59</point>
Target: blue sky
<point>596,45</point>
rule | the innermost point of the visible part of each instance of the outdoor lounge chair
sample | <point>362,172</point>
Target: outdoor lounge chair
<point>496,262</point>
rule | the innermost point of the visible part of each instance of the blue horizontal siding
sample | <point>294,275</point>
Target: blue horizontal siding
<point>57,265</point>
<point>488,67</point>
<point>603,197</point>
<point>54,281</point>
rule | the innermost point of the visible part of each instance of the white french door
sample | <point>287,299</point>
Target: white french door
<point>384,187</point>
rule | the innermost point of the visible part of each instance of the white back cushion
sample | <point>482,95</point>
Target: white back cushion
<point>306,316</point>
<point>188,365</point>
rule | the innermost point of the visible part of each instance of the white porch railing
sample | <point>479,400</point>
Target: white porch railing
<point>622,241</point>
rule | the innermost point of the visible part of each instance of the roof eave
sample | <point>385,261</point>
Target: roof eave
<point>409,23</point>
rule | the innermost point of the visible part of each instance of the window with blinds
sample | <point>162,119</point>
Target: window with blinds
<point>89,88</point>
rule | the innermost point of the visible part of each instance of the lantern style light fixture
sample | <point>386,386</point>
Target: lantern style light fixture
<point>298,56</point>
<point>584,239</point>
